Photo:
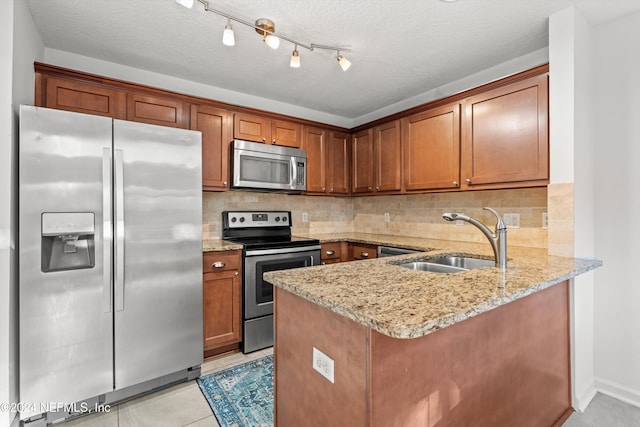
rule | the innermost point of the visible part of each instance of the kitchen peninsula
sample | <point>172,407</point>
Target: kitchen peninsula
<point>481,347</point>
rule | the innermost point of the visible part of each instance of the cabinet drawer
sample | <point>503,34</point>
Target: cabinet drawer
<point>331,251</point>
<point>221,261</point>
<point>360,251</point>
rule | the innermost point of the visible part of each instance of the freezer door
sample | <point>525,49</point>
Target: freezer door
<point>66,351</point>
<point>158,251</point>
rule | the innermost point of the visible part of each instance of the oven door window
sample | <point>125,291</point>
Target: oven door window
<point>264,290</point>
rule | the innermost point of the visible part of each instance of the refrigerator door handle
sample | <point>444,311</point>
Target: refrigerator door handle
<point>107,231</point>
<point>119,229</point>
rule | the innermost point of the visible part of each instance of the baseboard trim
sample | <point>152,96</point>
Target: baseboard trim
<point>581,400</point>
<point>618,391</point>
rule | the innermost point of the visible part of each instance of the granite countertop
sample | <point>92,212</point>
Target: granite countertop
<point>214,245</point>
<point>403,303</point>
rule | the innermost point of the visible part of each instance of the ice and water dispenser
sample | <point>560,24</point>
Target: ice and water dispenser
<point>68,241</point>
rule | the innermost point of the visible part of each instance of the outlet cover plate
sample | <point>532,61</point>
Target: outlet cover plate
<point>512,220</point>
<point>305,217</point>
<point>323,364</point>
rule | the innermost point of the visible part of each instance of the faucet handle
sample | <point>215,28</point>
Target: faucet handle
<point>500,225</point>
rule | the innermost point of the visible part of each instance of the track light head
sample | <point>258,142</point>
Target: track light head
<point>228,38</point>
<point>295,58</point>
<point>186,3</point>
<point>344,62</point>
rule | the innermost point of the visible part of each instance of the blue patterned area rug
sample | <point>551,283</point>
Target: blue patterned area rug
<point>241,396</point>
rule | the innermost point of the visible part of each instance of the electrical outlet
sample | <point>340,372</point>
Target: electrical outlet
<point>386,217</point>
<point>323,364</point>
<point>545,221</point>
<point>512,220</point>
<point>305,217</point>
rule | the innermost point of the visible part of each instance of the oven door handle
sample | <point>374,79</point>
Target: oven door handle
<point>277,251</point>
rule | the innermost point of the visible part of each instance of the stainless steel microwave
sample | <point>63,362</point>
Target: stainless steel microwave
<point>269,167</point>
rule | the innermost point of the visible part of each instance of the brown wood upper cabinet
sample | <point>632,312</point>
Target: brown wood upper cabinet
<point>156,110</point>
<point>314,141</point>
<point>216,126</point>
<point>505,135</point>
<point>431,144</point>
<point>261,129</point>
<point>338,163</point>
<point>376,159</point>
<point>81,97</point>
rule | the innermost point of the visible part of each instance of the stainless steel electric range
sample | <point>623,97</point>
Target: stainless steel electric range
<point>267,246</point>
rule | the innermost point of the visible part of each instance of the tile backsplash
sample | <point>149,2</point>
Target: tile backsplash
<point>409,215</point>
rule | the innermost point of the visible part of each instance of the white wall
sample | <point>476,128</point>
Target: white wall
<point>617,131</point>
<point>6,132</point>
<point>572,161</point>
<point>20,45</point>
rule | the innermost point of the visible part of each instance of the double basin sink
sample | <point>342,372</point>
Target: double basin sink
<point>448,264</point>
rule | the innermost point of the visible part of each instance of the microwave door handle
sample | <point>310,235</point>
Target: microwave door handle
<point>294,175</point>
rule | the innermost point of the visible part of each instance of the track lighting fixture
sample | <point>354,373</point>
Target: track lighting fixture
<point>295,58</point>
<point>228,38</point>
<point>266,28</point>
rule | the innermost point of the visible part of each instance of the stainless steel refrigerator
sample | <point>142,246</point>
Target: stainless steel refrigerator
<point>110,255</point>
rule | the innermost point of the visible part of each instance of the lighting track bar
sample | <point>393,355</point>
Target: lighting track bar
<point>267,31</point>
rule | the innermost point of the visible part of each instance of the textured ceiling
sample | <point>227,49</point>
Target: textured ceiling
<point>399,48</point>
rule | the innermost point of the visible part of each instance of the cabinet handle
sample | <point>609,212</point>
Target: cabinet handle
<point>329,253</point>
<point>455,183</point>
<point>218,264</point>
<point>364,254</point>
<point>468,181</point>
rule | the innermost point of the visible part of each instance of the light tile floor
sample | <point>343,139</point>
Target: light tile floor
<point>177,406</point>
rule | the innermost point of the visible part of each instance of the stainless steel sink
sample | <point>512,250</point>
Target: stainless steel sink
<point>448,264</point>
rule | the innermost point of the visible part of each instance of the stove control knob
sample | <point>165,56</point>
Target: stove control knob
<point>284,219</point>
<point>277,219</point>
<point>234,219</point>
<point>241,219</point>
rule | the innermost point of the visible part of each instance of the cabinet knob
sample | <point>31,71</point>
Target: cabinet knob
<point>370,189</point>
<point>364,254</point>
<point>324,188</point>
<point>237,274</point>
<point>455,183</point>
<point>331,190</point>
<point>329,253</point>
<point>468,181</point>
<point>218,264</point>
<point>273,142</point>
<point>224,183</point>
<point>377,188</point>
<point>264,139</point>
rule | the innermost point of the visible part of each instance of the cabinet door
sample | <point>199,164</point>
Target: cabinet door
<point>315,143</point>
<point>387,153</point>
<point>216,127</point>
<point>338,163</point>
<point>505,134</point>
<point>286,133</point>
<point>157,110</point>
<point>331,253</point>
<point>222,305</point>
<point>251,128</point>
<point>82,97</point>
<point>431,142</point>
<point>362,161</point>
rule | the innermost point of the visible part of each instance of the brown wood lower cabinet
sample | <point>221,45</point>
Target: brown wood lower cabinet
<point>332,253</point>
<point>358,251</point>
<point>222,301</point>
<point>506,367</point>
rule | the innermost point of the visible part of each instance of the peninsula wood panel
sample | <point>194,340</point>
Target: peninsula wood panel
<point>314,141</point>
<point>387,156</point>
<point>157,110</point>
<point>507,366</point>
<point>83,97</point>
<point>216,126</point>
<point>431,142</point>
<point>338,163</point>
<point>505,134</point>
<point>362,166</point>
<point>303,397</point>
